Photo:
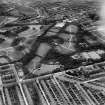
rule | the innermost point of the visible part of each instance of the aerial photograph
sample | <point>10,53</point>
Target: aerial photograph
<point>52,52</point>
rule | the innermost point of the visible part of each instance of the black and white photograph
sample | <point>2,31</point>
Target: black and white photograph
<point>52,52</point>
